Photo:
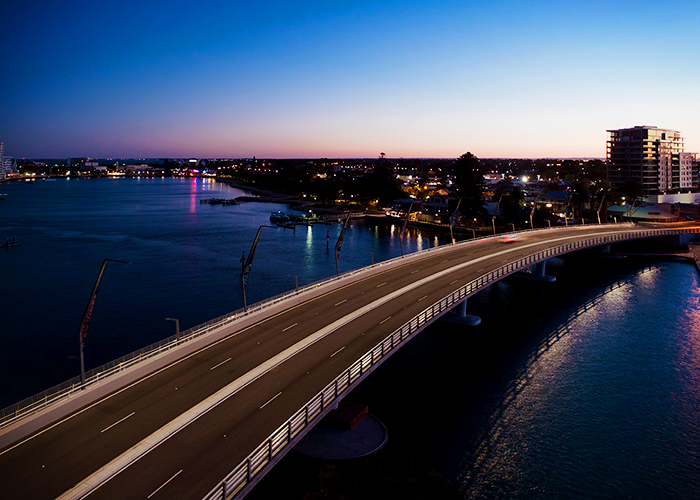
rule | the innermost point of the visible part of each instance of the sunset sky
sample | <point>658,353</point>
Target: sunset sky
<point>275,79</point>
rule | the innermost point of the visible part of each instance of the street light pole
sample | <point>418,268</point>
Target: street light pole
<point>532,212</point>
<point>601,206</point>
<point>371,256</point>
<point>493,218</point>
<point>87,316</point>
<point>247,263</point>
<point>177,327</point>
<point>453,220</point>
<point>566,212</point>
<point>296,282</point>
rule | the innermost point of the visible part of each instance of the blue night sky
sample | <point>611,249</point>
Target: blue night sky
<point>343,78</point>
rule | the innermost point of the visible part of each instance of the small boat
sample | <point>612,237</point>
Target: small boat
<point>9,244</point>
<point>278,216</point>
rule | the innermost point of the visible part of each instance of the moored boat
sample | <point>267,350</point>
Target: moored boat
<point>278,216</point>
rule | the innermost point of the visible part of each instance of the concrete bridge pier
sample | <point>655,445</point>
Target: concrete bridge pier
<point>537,274</point>
<point>459,315</point>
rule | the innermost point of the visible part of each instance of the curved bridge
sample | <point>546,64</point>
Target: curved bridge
<point>219,406</point>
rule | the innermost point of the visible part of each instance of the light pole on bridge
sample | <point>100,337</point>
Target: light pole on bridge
<point>246,263</point>
<point>177,327</point>
<point>495,211</point>
<point>87,316</point>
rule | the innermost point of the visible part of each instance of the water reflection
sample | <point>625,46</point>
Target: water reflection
<point>587,414</point>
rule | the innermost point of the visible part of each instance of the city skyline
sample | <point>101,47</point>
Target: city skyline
<point>345,80</point>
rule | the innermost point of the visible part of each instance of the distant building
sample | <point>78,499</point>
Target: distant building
<point>6,169</point>
<point>653,157</point>
<point>436,209</point>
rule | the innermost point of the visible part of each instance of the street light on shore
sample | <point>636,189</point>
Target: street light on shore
<point>87,316</point>
<point>177,327</point>
<point>296,282</point>
<point>371,255</point>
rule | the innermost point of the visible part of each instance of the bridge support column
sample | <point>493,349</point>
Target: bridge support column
<point>537,274</point>
<point>459,315</point>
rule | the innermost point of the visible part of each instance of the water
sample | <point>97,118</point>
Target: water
<point>587,387</point>
<point>185,264</point>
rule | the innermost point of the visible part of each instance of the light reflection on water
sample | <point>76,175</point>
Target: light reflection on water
<point>593,412</point>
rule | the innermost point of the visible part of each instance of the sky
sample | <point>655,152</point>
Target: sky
<point>342,78</point>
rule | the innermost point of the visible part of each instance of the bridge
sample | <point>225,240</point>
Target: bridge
<point>207,414</point>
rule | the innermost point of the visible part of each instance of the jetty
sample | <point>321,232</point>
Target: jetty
<point>220,201</point>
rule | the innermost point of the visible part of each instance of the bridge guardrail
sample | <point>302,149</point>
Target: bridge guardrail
<point>28,406</point>
<point>32,404</point>
<point>282,438</point>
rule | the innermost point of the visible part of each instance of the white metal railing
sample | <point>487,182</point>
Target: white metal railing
<point>280,441</point>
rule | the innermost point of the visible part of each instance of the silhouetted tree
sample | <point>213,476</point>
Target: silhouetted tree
<point>469,181</point>
<point>511,206</point>
<point>552,186</point>
<point>383,184</point>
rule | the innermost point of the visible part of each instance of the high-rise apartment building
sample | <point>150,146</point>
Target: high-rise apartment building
<point>653,157</point>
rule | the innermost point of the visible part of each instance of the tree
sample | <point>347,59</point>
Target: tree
<point>511,206</point>
<point>633,191</point>
<point>469,181</point>
<point>580,196</point>
<point>551,186</point>
<point>382,184</point>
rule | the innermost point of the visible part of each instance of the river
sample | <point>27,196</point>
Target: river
<point>586,387</point>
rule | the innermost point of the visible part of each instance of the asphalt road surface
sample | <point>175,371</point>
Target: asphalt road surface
<point>177,432</point>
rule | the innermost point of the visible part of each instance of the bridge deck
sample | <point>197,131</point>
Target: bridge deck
<point>178,431</point>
